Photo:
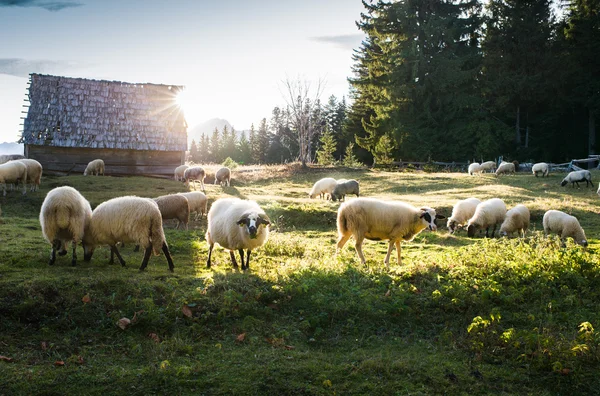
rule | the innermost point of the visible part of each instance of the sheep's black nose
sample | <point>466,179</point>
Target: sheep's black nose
<point>252,230</point>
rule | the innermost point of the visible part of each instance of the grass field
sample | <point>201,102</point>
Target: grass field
<point>460,316</point>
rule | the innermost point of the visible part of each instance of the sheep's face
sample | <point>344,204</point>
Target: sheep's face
<point>429,216</point>
<point>471,230</point>
<point>88,251</point>
<point>564,182</point>
<point>452,226</point>
<point>252,222</point>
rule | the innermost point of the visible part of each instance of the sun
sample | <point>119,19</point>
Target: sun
<point>190,104</point>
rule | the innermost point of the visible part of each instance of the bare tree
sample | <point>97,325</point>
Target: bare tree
<point>302,101</point>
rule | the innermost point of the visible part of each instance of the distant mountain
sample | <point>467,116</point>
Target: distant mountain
<point>11,148</point>
<point>207,128</point>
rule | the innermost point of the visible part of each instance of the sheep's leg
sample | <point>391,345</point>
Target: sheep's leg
<point>136,248</point>
<point>55,246</point>
<point>341,242</point>
<point>210,249</point>
<point>358,247</point>
<point>165,250</point>
<point>74,259</point>
<point>398,250</point>
<point>386,261</point>
<point>114,250</point>
<point>494,230</point>
<point>147,254</point>
<point>487,231</point>
<point>248,259</point>
<point>233,262</point>
<point>112,258</point>
<point>241,252</point>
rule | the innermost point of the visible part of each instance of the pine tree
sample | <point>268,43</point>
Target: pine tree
<point>244,150</point>
<point>194,153</point>
<point>253,141</point>
<point>229,143</point>
<point>383,151</point>
<point>350,159</point>
<point>327,149</point>
<point>215,147</point>
<point>262,141</point>
<point>203,150</point>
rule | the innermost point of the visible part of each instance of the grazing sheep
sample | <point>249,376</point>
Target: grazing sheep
<point>323,187</point>
<point>344,188</point>
<point>194,173</point>
<point>34,173</point>
<point>13,172</point>
<point>505,167</point>
<point>10,157</point>
<point>198,203</point>
<point>236,224</point>
<point>474,168</point>
<point>95,167</point>
<point>64,216</point>
<point>540,167</point>
<point>565,226</point>
<point>174,206</point>
<point>178,174</point>
<point>382,220</point>
<point>517,219</point>
<point>461,213</point>
<point>576,177</point>
<point>487,214</point>
<point>127,219</point>
<point>223,176</point>
<point>488,165</point>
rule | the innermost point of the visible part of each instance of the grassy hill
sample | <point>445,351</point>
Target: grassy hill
<point>461,316</point>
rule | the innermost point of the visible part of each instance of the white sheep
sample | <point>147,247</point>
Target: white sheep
<point>461,213</point>
<point>34,172</point>
<point>194,173</point>
<point>236,224</point>
<point>64,216</point>
<point>382,220</point>
<point>198,202</point>
<point>127,219</point>
<point>323,187</point>
<point>174,206</point>
<point>13,172</point>
<point>223,176</point>
<point>343,188</point>
<point>517,220</point>
<point>178,174</point>
<point>565,226</point>
<point>578,176</point>
<point>487,214</point>
<point>540,167</point>
<point>505,167</point>
<point>10,157</point>
<point>94,167</point>
<point>488,165</point>
<point>474,168</point>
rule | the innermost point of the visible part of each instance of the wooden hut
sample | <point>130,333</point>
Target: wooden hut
<point>137,129</point>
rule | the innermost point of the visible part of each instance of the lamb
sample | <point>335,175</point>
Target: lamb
<point>565,226</point>
<point>505,167</point>
<point>127,219</point>
<point>236,224</point>
<point>323,187</point>
<point>198,203</point>
<point>223,176</point>
<point>64,216</point>
<point>13,172</point>
<point>487,214</point>
<point>474,168</point>
<point>540,167</point>
<point>576,177</point>
<point>174,206</point>
<point>488,165</point>
<point>95,167</point>
<point>461,213</point>
<point>517,219</point>
<point>194,173</point>
<point>178,174</point>
<point>343,188</point>
<point>382,220</point>
<point>34,172</point>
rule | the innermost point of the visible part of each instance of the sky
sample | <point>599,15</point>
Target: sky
<point>232,55</point>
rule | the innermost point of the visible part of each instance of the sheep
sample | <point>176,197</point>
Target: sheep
<point>198,202</point>
<point>236,224</point>
<point>517,219</point>
<point>576,177</point>
<point>194,173</point>
<point>64,217</point>
<point>382,220</point>
<point>343,188</point>
<point>488,165</point>
<point>127,219</point>
<point>487,214</point>
<point>461,213</point>
<point>174,206</point>
<point>10,157</point>
<point>505,167</point>
<point>95,167</point>
<point>223,176</point>
<point>13,172</point>
<point>178,174</point>
<point>565,226</point>
<point>474,168</point>
<point>540,167</point>
<point>34,172</point>
<point>323,187</point>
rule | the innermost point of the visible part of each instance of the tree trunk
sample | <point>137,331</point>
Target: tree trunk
<point>592,132</point>
<point>518,128</point>
<point>527,132</point>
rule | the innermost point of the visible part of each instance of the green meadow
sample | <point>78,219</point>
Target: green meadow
<point>460,316</point>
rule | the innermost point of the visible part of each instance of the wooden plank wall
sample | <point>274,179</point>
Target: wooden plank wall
<point>116,162</point>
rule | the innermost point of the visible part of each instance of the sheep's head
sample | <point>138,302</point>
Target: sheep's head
<point>252,221</point>
<point>471,230</point>
<point>429,217</point>
<point>452,226</point>
<point>564,182</point>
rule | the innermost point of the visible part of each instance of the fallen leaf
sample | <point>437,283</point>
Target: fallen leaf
<point>86,299</point>
<point>289,347</point>
<point>135,316</point>
<point>154,337</point>
<point>80,359</point>
<point>6,359</point>
<point>187,311</point>
<point>59,363</point>
<point>241,337</point>
<point>123,323</point>
<point>565,371</point>
<point>387,293</point>
<point>44,345</point>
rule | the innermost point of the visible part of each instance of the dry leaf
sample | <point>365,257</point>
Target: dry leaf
<point>6,359</point>
<point>241,337</point>
<point>123,323</point>
<point>59,363</point>
<point>565,371</point>
<point>44,345</point>
<point>289,347</point>
<point>86,299</point>
<point>154,337</point>
<point>135,316</point>
<point>79,359</point>
<point>187,311</point>
<point>387,293</point>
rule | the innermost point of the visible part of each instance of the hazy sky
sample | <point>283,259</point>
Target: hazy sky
<point>231,54</point>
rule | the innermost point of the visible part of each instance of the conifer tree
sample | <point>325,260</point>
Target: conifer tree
<point>215,147</point>
<point>350,159</point>
<point>262,142</point>
<point>327,149</point>
<point>194,153</point>
<point>203,150</point>
<point>244,155</point>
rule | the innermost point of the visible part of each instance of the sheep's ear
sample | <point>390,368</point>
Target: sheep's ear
<point>440,217</point>
<point>423,212</point>
<point>264,219</point>
<point>243,220</point>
